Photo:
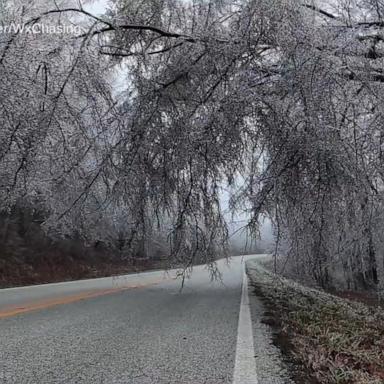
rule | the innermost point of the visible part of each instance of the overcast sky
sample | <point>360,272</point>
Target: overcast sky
<point>96,7</point>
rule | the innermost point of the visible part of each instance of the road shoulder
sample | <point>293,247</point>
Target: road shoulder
<point>272,366</point>
<point>335,341</point>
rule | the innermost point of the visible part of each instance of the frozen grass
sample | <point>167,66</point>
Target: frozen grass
<point>336,340</point>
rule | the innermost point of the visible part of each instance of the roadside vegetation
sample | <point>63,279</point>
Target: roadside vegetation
<point>29,256</point>
<point>336,341</point>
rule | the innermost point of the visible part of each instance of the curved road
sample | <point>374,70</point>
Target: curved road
<point>137,329</point>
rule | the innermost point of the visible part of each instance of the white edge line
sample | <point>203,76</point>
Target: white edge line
<point>245,364</point>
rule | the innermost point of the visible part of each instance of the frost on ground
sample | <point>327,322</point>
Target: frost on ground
<point>334,340</point>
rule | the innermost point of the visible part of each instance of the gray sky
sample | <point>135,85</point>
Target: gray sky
<point>96,7</point>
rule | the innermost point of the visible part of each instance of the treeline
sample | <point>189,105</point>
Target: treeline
<point>28,255</point>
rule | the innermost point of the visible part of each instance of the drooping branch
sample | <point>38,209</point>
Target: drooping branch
<point>321,11</point>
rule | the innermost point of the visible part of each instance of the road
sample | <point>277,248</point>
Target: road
<point>137,329</point>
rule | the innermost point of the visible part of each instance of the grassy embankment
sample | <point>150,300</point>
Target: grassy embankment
<point>336,341</point>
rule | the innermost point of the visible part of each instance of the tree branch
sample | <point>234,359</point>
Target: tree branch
<point>319,10</point>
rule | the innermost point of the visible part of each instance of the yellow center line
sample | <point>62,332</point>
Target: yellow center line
<point>38,305</point>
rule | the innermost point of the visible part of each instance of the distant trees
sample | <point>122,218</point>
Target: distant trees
<point>284,96</point>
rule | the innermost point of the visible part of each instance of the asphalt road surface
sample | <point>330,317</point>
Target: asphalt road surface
<point>137,329</point>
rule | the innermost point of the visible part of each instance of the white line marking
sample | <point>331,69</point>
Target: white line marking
<point>245,365</point>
